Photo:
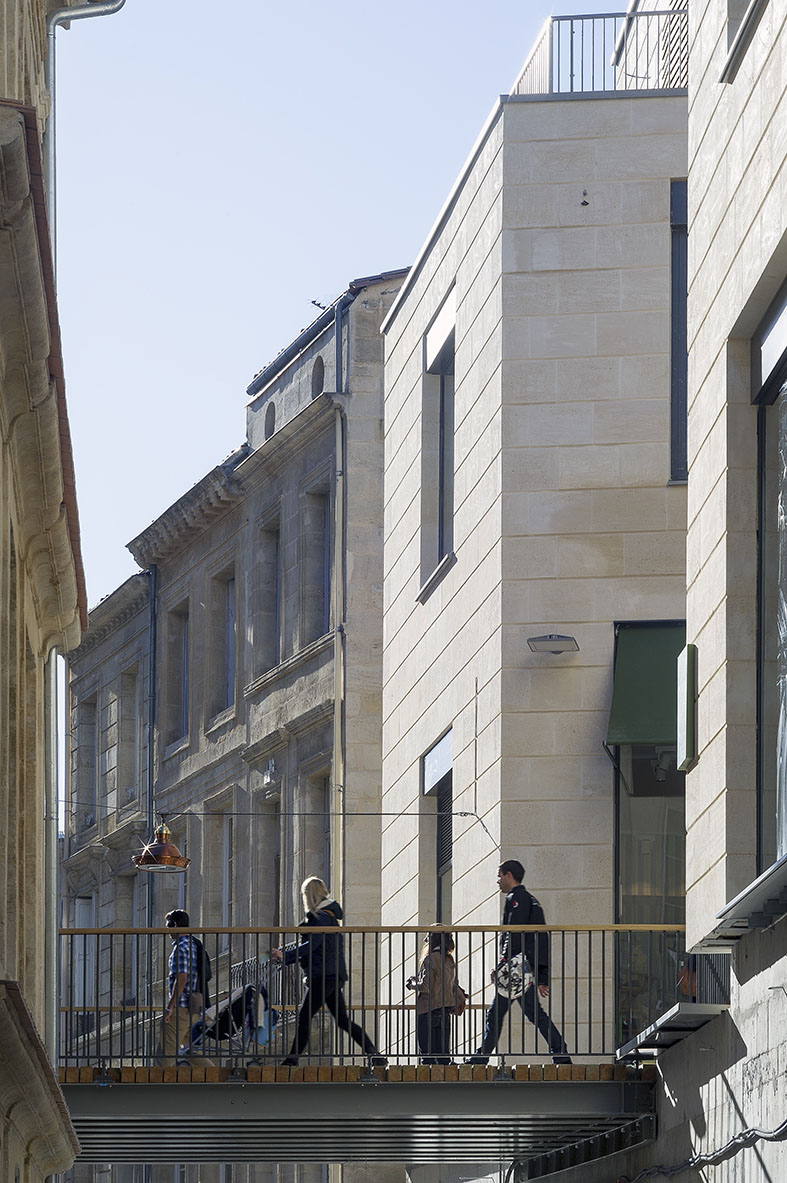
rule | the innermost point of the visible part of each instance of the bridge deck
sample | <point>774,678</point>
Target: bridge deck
<point>352,1073</point>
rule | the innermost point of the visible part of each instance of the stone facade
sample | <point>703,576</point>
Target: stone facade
<point>555,252</point>
<point>42,609</point>
<point>265,747</point>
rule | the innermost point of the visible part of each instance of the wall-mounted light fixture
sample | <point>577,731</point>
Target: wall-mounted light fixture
<point>553,643</point>
<point>161,854</point>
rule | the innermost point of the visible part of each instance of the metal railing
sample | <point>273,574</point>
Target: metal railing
<point>608,52</point>
<point>602,985</point>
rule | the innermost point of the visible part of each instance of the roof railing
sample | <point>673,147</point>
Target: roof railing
<point>608,53</point>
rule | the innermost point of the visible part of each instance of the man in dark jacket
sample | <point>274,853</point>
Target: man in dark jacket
<point>522,908</point>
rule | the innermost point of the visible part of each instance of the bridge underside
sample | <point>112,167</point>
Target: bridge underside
<point>549,1125</point>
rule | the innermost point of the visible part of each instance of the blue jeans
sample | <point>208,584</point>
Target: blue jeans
<point>434,1036</point>
<point>535,1013</point>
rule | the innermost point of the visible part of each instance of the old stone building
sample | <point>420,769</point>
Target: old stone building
<point>253,719</point>
<point>42,609</point>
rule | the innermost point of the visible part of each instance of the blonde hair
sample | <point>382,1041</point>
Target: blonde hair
<point>313,893</point>
<point>436,942</point>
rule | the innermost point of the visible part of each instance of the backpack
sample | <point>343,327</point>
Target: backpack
<point>204,970</point>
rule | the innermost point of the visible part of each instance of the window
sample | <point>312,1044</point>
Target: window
<point>267,599</point>
<point>178,673</point>
<point>316,564</point>
<point>437,442</point>
<point>270,420</point>
<point>87,769</point>
<point>650,846</point>
<point>223,643</point>
<point>83,966</point>
<point>678,333</point>
<point>317,832</point>
<point>318,377</point>
<point>769,389</point>
<point>228,875</point>
<point>437,776</point>
<point>128,746</point>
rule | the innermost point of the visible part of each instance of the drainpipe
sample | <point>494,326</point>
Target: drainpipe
<point>339,649</point>
<point>59,17</point>
<point>151,746</point>
<point>51,939</point>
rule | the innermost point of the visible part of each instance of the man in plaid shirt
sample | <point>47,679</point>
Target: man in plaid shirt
<point>186,1000</point>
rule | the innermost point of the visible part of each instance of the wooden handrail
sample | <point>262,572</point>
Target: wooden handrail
<point>295,930</point>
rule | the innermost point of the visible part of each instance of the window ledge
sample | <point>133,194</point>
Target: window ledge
<point>742,38</point>
<point>176,747</point>
<point>759,905</point>
<point>437,576</point>
<point>219,720</point>
<point>290,663</point>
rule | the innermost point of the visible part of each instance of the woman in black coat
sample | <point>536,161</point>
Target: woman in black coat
<point>321,956</point>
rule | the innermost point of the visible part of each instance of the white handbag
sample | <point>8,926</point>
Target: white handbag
<point>514,976</point>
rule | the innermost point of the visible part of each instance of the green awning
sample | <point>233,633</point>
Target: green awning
<point>645,690</point>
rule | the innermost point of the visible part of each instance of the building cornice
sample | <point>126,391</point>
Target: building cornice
<point>113,612</point>
<point>210,499</point>
<point>274,455</point>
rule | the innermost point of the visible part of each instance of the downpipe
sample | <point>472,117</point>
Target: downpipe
<point>60,17</point>
<point>339,599</point>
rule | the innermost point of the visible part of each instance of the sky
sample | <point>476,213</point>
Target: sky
<point>219,167</point>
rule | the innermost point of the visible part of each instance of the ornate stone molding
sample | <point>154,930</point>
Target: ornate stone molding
<point>113,612</point>
<point>33,419</point>
<point>208,500</point>
<point>32,1100</point>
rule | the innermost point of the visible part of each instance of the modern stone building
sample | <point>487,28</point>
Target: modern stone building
<point>535,485</point>
<point>253,721</point>
<point>731,1076</point>
<point>42,609</point>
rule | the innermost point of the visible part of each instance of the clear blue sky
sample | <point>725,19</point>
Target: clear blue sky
<point>219,167</point>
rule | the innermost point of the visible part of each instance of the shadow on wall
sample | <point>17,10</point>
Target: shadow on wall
<point>760,951</point>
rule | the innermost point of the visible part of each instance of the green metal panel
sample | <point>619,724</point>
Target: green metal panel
<point>644,695</point>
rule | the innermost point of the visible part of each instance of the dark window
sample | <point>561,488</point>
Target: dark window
<point>437,442</point>
<point>437,775</point>
<point>679,340</point>
<point>178,673</point>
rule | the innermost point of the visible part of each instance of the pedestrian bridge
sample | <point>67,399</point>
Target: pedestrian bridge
<point>228,1097</point>
<point>547,1118</point>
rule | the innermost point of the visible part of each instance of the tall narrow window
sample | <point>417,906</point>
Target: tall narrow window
<point>228,875</point>
<point>437,776</point>
<point>222,643</point>
<point>679,470</point>
<point>316,566</point>
<point>437,442</point>
<point>178,673</point>
<point>316,842</point>
<point>326,831</point>
<point>267,599</point>
<point>128,746</point>
<point>87,779</point>
<point>83,966</point>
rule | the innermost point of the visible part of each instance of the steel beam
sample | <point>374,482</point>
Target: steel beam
<point>332,1122</point>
